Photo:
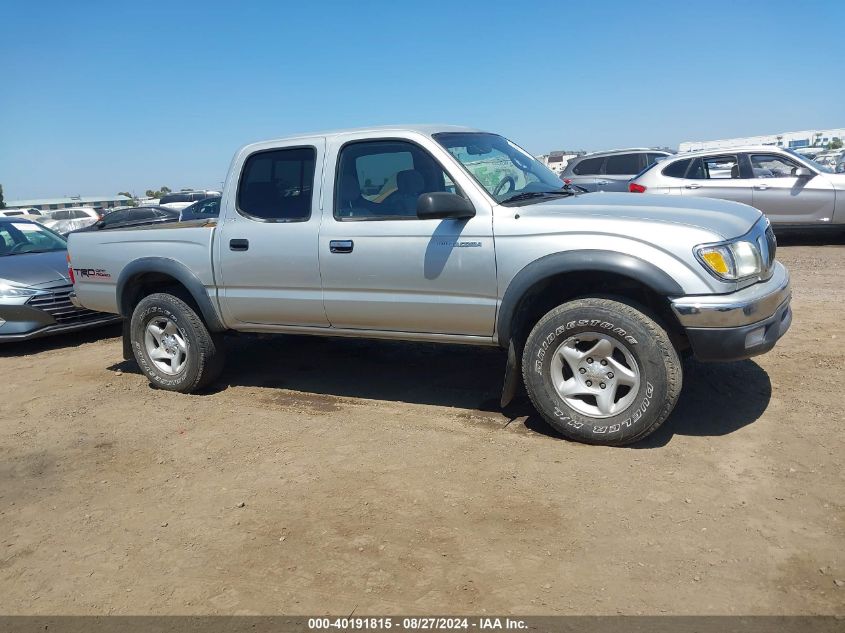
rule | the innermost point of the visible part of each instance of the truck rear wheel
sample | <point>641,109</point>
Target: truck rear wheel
<point>173,346</point>
<point>601,372</point>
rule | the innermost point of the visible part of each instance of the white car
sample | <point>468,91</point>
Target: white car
<point>791,189</point>
<point>9,213</point>
<point>66,220</point>
<point>178,200</point>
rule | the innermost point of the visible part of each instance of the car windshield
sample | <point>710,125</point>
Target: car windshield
<point>503,168</point>
<point>176,197</point>
<point>17,238</point>
<point>817,166</point>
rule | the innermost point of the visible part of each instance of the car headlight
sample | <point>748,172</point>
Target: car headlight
<point>12,291</point>
<point>731,261</point>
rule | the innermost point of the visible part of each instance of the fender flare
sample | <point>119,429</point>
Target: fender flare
<point>546,267</point>
<point>180,273</point>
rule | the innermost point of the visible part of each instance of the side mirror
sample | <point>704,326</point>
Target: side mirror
<point>100,224</point>
<point>802,172</point>
<point>438,205</point>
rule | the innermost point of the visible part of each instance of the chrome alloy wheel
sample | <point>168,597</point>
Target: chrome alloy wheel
<point>595,374</point>
<point>165,345</point>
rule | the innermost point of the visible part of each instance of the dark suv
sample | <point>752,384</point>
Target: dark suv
<point>610,171</point>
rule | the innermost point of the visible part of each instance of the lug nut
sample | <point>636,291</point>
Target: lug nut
<point>582,370</point>
<point>589,360</point>
<point>602,385</point>
<point>589,383</point>
<point>604,362</point>
<point>610,374</point>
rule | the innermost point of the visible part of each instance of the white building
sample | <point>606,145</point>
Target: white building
<point>557,161</point>
<point>806,138</point>
<point>51,204</point>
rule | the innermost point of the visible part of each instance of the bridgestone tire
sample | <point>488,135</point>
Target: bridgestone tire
<point>203,359</point>
<point>622,327</point>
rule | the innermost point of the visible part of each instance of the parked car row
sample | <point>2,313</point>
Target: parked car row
<point>610,171</point>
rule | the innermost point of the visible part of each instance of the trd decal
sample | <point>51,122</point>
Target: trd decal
<point>89,273</point>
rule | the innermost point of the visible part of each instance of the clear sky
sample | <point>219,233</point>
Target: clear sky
<point>104,96</point>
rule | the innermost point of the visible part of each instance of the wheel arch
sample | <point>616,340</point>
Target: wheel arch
<point>553,279</point>
<point>146,275</point>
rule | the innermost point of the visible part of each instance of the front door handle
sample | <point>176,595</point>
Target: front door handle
<point>341,246</point>
<point>692,186</point>
<point>761,187</point>
<point>238,245</point>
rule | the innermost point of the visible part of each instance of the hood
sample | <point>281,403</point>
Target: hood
<point>725,218</point>
<point>837,180</point>
<point>34,269</point>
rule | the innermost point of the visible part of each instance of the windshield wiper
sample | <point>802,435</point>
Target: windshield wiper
<point>528,195</point>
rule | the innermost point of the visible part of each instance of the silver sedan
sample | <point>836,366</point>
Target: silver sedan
<point>791,190</point>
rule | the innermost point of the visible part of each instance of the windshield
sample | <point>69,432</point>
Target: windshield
<point>504,169</point>
<point>817,166</point>
<point>176,197</point>
<point>17,238</point>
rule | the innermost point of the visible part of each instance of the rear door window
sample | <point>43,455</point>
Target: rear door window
<point>722,167</point>
<point>276,185</point>
<point>143,214</point>
<point>589,166</point>
<point>622,165</point>
<point>116,217</point>
<point>696,170</point>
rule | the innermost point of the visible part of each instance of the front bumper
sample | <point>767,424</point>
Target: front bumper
<point>738,325</point>
<point>46,314</point>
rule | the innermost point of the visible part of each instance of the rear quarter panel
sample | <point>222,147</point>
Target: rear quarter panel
<point>99,257</point>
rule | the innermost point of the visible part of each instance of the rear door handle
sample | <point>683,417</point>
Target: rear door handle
<point>692,186</point>
<point>602,182</point>
<point>761,187</point>
<point>238,245</point>
<point>341,246</point>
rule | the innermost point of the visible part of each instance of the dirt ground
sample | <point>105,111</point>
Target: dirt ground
<point>332,476</point>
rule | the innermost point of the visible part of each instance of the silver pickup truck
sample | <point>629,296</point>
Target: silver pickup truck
<point>450,235</point>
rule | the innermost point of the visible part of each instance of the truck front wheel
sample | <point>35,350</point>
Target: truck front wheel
<point>602,372</point>
<point>172,345</point>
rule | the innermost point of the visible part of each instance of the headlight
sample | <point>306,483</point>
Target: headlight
<point>732,261</point>
<point>11,291</point>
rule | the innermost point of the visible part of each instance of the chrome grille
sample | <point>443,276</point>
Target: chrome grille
<point>767,244</point>
<point>57,304</point>
<point>772,246</point>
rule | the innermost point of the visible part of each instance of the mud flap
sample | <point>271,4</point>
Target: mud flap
<point>127,342</point>
<point>513,374</point>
